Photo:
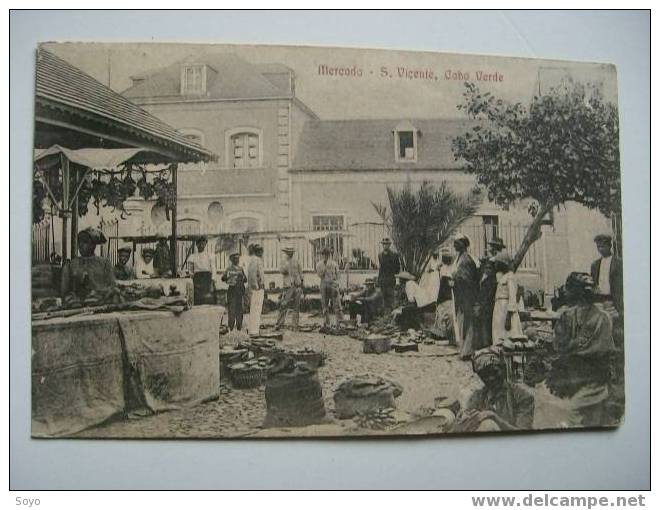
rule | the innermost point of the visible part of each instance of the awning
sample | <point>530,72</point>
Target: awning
<point>96,159</point>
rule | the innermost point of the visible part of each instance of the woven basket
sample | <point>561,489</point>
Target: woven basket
<point>376,345</point>
<point>229,357</point>
<point>313,359</point>
<point>247,378</point>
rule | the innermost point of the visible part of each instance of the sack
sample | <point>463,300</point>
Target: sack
<point>294,397</point>
<point>364,395</point>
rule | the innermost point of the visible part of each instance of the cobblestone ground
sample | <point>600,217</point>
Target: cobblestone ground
<point>435,371</point>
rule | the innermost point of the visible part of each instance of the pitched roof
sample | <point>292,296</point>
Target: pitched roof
<point>60,85</point>
<point>231,77</point>
<point>368,144</point>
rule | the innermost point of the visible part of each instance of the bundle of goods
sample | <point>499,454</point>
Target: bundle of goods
<point>46,304</point>
<point>248,374</point>
<point>272,335</point>
<point>229,356</point>
<point>294,397</point>
<point>358,334</point>
<point>333,330</point>
<point>379,419</point>
<point>364,395</point>
<point>308,328</point>
<point>376,344</point>
<point>267,348</point>
<point>308,355</point>
<point>349,325</point>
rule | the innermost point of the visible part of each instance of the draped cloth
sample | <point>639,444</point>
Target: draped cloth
<point>466,293</point>
<point>87,369</point>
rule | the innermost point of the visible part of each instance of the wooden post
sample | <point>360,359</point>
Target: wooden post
<point>173,242</point>
<point>74,218</point>
<point>65,206</point>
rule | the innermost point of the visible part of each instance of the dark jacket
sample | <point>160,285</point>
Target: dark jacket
<point>616,280</point>
<point>389,266</point>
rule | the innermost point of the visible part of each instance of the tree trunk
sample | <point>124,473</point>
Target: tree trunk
<point>532,235</point>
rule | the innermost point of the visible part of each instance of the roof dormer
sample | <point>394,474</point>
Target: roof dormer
<point>194,79</point>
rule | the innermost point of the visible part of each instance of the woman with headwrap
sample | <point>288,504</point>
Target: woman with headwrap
<point>89,279</point>
<point>499,404</point>
<point>466,293</point>
<point>576,388</point>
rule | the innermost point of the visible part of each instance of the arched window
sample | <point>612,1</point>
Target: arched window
<point>244,148</point>
<point>194,135</point>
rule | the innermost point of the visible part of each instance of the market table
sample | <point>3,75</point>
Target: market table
<point>88,368</point>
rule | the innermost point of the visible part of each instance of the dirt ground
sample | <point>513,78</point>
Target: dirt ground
<point>434,371</point>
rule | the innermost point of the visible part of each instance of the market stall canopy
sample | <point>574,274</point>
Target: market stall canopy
<point>95,159</point>
<point>74,110</point>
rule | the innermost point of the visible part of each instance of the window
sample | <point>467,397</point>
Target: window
<point>194,135</point>
<point>333,240</point>
<point>405,143</point>
<point>244,150</point>
<point>193,79</point>
<point>327,222</point>
<point>244,224</point>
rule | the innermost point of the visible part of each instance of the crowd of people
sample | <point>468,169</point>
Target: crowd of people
<point>476,307</point>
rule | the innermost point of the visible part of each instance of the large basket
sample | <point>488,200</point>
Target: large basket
<point>312,358</point>
<point>376,344</point>
<point>229,357</point>
<point>247,378</point>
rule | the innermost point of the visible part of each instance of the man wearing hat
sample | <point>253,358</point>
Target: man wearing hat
<point>256,287</point>
<point>144,268</point>
<point>368,303</point>
<point>388,266</point>
<point>235,278</point>
<point>292,283</point>
<point>328,272</point>
<point>122,270</point>
<point>607,273</point>
<point>495,245</point>
<point>88,279</point>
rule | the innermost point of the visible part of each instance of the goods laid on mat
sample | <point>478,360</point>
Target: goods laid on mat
<point>248,374</point>
<point>365,394</point>
<point>260,347</point>
<point>294,397</point>
<point>378,419</point>
<point>309,356</point>
<point>376,344</point>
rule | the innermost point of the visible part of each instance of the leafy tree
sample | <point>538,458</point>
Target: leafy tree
<point>418,221</point>
<point>563,147</point>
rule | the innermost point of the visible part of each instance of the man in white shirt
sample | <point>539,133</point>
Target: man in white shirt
<point>204,272</point>
<point>607,273</point>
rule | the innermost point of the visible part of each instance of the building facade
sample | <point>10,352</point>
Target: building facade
<point>281,168</point>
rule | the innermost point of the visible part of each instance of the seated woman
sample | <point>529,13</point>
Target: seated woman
<point>576,389</point>
<point>499,404</point>
<point>89,279</point>
<point>144,266</point>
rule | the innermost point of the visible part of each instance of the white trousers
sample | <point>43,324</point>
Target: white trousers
<point>256,304</point>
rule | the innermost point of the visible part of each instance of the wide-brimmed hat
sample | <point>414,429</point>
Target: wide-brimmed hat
<point>603,238</point>
<point>234,253</point>
<point>124,249</point>
<point>94,234</point>
<point>370,281</point>
<point>288,249</point>
<point>386,240</point>
<point>405,275</point>
<point>497,242</point>
<point>148,251</point>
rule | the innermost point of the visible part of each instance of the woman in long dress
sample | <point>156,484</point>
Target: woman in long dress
<point>466,293</point>
<point>506,320</point>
